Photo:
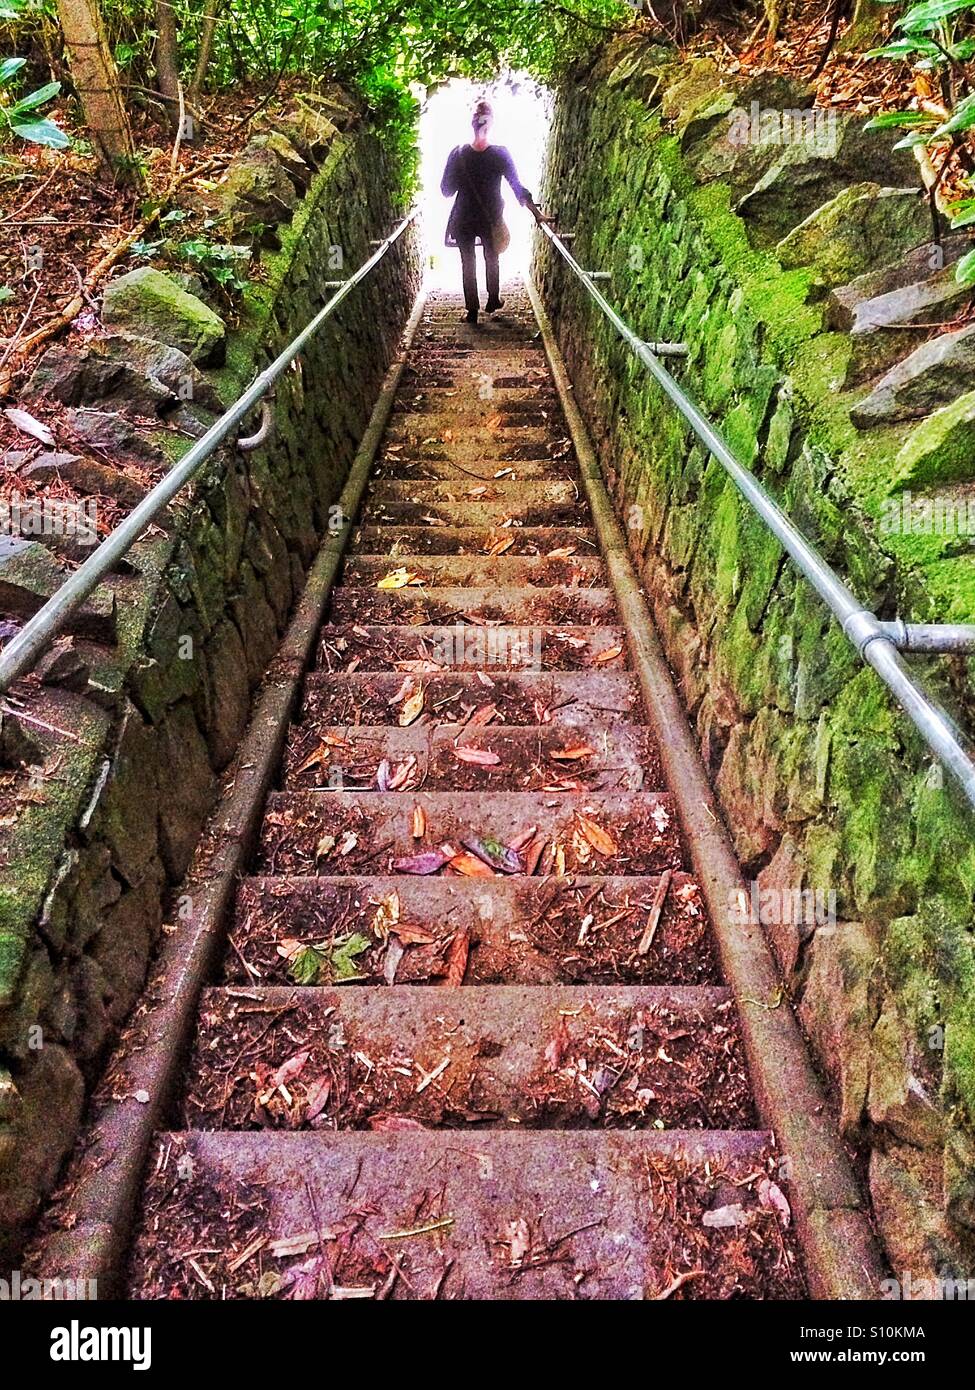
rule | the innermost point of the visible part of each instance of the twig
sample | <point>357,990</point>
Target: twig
<point>653,921</point>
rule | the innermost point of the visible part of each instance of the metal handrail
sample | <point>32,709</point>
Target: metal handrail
<point>19,656</point>
<point>874,640</point>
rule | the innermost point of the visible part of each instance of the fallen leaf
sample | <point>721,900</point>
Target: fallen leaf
<point>494,854</point>
<point>771,1195</point>
<point>419,823</point>
<point>610,654</point>
<point>482,716</point>
<point>470,866</point>
<point>481,756</point>
<point>397,579</point>
<point>317,1097</point>
<point>412,709</point>
<point>426,863</point>
<point>27,424</point>
<point>600,840</point>
<point>561,552</point>
<point>413,936</point>
<point>457,958</point>
<point>288,1070</point>
<point>571,755</point>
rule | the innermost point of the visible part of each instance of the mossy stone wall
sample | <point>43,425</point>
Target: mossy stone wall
<point>824,784</point>
<point>90,863</point>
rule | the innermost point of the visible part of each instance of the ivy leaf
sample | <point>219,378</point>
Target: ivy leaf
<point>306,965</point>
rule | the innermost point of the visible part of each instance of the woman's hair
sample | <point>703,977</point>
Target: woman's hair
<point>483,113</point>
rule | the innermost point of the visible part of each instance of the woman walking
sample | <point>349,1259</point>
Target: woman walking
<point>474,173</point>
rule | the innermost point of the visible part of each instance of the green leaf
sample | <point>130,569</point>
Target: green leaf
<point>890,119</point>
<point>10,66</point>
<point>5,293</point>
<point>307,965</point>
<point>43,133</point>
<point>962,118</point>
<point>904,48</point>
<point>34,99</point>
<point>965,269</point>
<point>344,952</point>
<point>919,137</point>
<point>931,13</point>
<point>962,213</point>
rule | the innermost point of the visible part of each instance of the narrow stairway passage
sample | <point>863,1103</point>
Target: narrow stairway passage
<point>470,1038</point>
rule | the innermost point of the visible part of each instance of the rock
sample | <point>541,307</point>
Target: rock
<point>783,874</point>
<point>18,743</point>
<point>152,305</point>
<point>87,475</point>
<point>52,1094</point>
<point>905,1197</point>
<point>257,189</point>
<point>29,575</point>
<point>918,264</point>
<point>185,784</point>
<point>941,449</point>
<point>118,437</point>
<point>742,134</point>
<point>934,374</point>
<point>898,1100</point>
<point>855,232</point>
<point>90,376</point>
<point>872,321</point>
<point>229,693</point>
<point>837,1012</point>
<point>959,1178</point>
<point>63,666</point>
<point>811,172</point>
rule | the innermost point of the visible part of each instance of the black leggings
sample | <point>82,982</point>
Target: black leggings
<point>465,245</point>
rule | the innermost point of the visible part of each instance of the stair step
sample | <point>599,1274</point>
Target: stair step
<point>527,606</point>
<point>561,1057</point>
<point>340,833</point>
<point>512,494</point>
<point>597,756</point>
<point>419,435</point>
<point>504,1215</point>
<point>471,648</point>
<point>398,466</point>
<point>569,698</point>
<point>399,542</point>
<point>524,931</point>
<point>481,512</point>
<point>473,571</point>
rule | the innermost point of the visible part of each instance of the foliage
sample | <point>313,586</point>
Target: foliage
<point>935,38</point>
<point>22,116</point>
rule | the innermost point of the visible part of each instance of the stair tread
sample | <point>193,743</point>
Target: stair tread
<point>563,1057</point>
<point>522,930</point>
<point>471,647</point>
<point>503,1215</point>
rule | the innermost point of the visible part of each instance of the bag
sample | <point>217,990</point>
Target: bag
<point>500,234</point>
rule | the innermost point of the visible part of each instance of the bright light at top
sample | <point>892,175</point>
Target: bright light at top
<point>521,122</point>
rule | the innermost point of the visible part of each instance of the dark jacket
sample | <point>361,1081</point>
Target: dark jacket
<point>475,176</point>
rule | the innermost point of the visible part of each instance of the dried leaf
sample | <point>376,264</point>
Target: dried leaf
<point>600,840</point>
<point>481,756</point>
<point>419,823</point>
<point>610,654</point>
<point>317,1097</point>
<point>426,863</point>
<point>27,424</point>
<point>571,755</point>
<point>494,854</point>
<point>412,709</point>
<point>470,866</point>
<point>397,579</point>
<point>288,1070</point>
<point>457,958</point>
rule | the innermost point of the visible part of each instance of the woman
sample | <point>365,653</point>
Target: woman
<point>474,173</point>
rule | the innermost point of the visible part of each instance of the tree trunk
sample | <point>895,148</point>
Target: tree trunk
<point>167,64</point>
<point>866,27</point>
<point>206,49</point>
<point>95,79</point>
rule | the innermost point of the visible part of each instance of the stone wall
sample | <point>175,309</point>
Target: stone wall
<point>102,816</point>
<point>824,785</point>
